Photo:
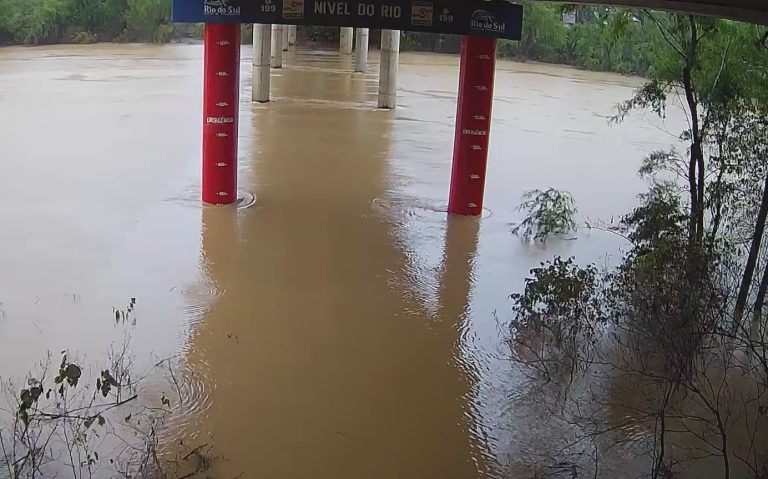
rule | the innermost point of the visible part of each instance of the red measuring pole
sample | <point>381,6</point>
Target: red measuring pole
<point>221,95</point>
<point>473,124</point>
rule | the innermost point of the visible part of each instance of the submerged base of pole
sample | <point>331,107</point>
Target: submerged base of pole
<point>245,200</point>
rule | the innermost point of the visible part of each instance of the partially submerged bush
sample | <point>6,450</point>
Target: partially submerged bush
<point>58,424</point>
<point>556,317</point>
<point>549,212</point>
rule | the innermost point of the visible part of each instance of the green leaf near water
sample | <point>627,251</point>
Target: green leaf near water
<point>73,374</point>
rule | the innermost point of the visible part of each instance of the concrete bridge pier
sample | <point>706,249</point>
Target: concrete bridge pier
<point>361,49</point>
<point>345,40</point>
<point>277,46</point>
<point>473,125</point>
<point>388,67</point>
<point>292,35</point>
<point>262,50</point>
<point>286,37</point>
<point>221,97</point>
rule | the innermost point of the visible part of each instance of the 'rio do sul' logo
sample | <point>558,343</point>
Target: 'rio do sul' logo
<point>485,21</point>
<point>220,7</point>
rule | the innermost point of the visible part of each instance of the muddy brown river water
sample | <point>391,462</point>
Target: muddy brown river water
<point>342,327</point>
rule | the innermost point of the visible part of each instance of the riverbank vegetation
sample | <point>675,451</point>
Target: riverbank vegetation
<point>32,22</point>
<point>667,354</point>
<point>77,419</point>
<point>591,37</point>
<point>602,38</point>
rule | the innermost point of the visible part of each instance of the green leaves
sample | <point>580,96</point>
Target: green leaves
<point>69,373</point>
<point>106,382</point>
<point>553,287</point>
<point>549,212</point>
<point>28,398</point>
<point>83,21</point>
<point>558,314</point>
<point>32,21</point>
<point>602,38</point>
<point>652,95</point>
<point>73,373</point>
<point>99,420</point>
<point>148,20</point>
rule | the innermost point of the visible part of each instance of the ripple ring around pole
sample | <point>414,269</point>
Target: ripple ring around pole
<point>245,200</point>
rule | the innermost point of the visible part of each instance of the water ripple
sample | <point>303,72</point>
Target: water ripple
<point>198,300</point>
<point>193,399</point>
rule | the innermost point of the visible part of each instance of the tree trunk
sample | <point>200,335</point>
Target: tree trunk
<point>696,160</point>
<point>760,299</point>
<point>754,250</point>
<point>717,192</point>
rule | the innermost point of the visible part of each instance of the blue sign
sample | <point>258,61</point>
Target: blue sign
<point>496,18</point>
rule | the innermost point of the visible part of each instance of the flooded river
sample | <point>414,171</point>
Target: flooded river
<point>342,327</point>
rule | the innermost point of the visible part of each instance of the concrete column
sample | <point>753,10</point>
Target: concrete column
<point>262,46</point>
<point>277,46</point>
<point>390,59</point>
<point>361,49</point>
<point>473,125</point>
<point>286,37</point>
<point>292,35</point>
<point>345,40</point>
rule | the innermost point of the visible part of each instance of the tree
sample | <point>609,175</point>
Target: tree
<point>750,143</point>
<point>543,37</point>
<point>82,21</point>
<point>669,330</point>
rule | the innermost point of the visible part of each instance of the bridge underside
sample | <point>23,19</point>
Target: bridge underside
<point>753,11</point>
